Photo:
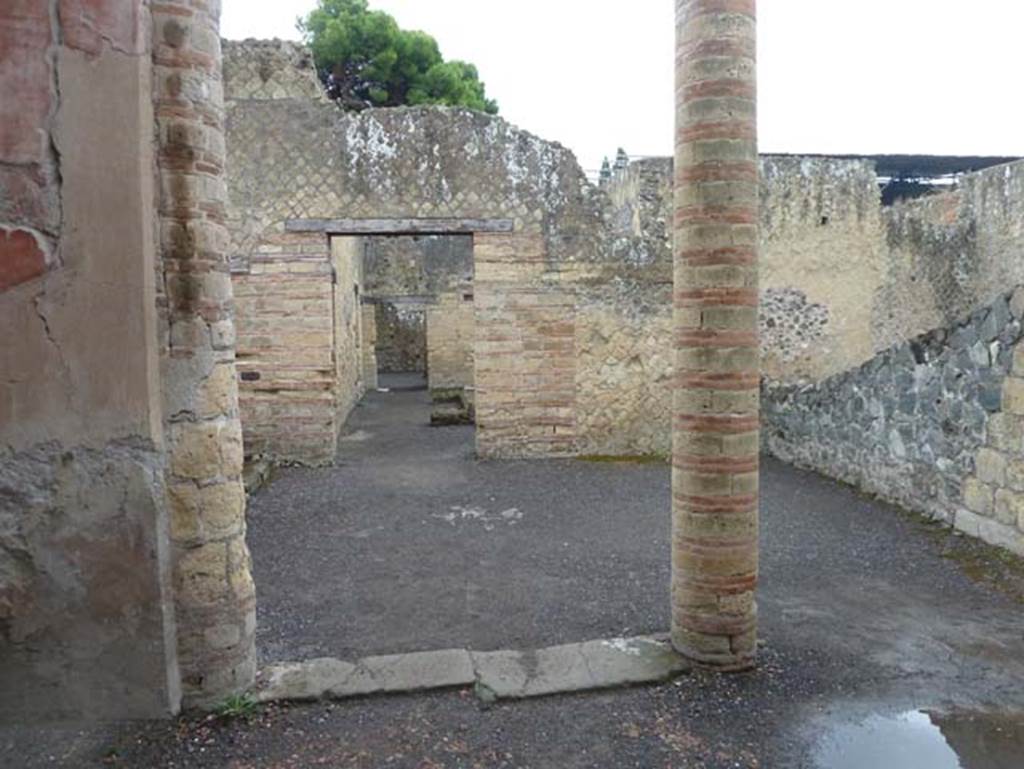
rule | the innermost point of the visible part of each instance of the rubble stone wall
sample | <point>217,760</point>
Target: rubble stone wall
<point>934,424</point>
<point>947,255</point>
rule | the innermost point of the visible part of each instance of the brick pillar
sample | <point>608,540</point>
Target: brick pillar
<point>716,412</point>
<point>214,595</point>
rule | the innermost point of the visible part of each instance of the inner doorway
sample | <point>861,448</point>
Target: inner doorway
<point>420,274</point>
<point>418,318</point>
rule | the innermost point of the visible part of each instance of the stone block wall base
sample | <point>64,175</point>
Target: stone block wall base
<point>991,532</point>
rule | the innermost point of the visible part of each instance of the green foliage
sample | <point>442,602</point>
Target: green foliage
<point>237,706</point>
<point>373,60</point>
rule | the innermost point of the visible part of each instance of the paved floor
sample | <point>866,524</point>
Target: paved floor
<point>411,544</point>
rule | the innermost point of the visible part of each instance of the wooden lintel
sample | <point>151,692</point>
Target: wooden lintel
<point>399,226</point>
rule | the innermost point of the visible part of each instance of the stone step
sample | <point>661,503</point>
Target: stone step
<point>494,675</point>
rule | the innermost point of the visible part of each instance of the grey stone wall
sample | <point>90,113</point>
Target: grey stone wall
<point>907,425</point>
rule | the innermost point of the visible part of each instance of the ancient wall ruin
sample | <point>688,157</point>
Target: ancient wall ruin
<point>821,265</point>
<point>930,419</point>
<point>821,249</point>
<point>294,157</point>
<point>572,310</point>
<point>299,345</point>
<point>284,297</point>
<point>422,266</point>
<point>933,424</point>
<point>624,368</point>
<point>949,254</point>
<point>843,278</point>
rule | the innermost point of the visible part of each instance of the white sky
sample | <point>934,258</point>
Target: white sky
<point>836,76</point>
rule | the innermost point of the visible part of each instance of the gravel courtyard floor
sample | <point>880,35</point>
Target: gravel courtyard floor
<point>873,621</point>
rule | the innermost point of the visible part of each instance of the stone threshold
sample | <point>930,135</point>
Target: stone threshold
<point>497,675</point>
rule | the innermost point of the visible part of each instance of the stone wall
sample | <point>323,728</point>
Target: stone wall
<point>640,203</point>
<point>294,157</point>
<point>401,336</point>
<point>935,424</point>
<point>422,266</point>
<point>821,266</point>
<point>946,255</point>
<point>524,355</point>
<point>286,360</point>
<point>451,329</point>
<point>349,386</point>
<point>300,344</point>
<point>369,342</point>
<point>624,368</point>
<point>843,277</point>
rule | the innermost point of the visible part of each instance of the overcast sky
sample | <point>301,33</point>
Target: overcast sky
<point>836,76</point>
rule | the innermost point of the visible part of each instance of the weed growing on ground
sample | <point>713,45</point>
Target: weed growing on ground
<point>237,706</point>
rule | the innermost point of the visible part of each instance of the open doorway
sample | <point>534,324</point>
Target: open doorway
<point>418,319</point>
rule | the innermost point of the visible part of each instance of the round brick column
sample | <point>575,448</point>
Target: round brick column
<point>213,588</point>
<point>716,400</point>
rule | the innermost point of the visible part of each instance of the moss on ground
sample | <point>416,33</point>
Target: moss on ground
<point>634,459</point>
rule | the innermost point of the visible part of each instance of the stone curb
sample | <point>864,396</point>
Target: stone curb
<point>494,675</point>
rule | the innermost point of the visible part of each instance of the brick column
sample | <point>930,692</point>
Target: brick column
<point>214,595</point>
<point>716,412</point>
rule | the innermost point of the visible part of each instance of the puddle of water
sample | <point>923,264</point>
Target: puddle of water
<point>922,740</point>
